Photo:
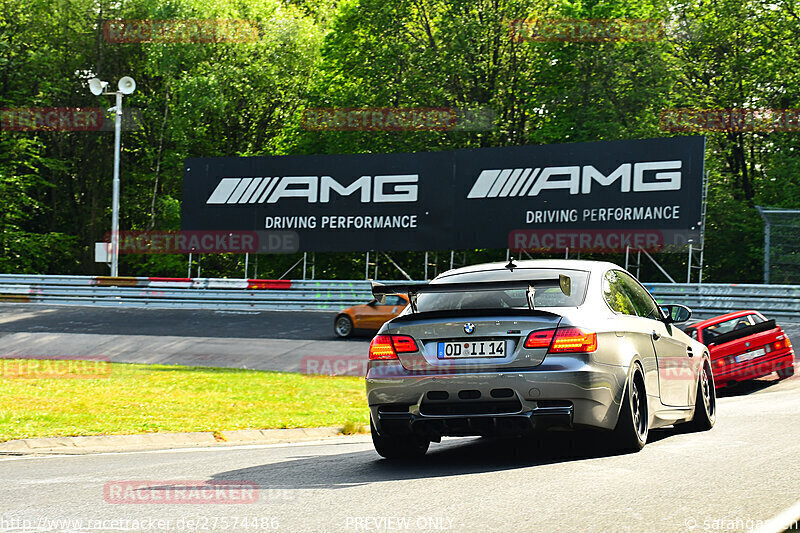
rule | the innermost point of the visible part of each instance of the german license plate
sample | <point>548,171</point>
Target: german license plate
<point>750,355</point>
<point>476,348</point>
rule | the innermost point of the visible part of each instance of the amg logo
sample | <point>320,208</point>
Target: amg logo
<point>315,189</point>
<point>502,183</point>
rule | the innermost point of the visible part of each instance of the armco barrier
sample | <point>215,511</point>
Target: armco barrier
<point>776,301</point>
<point>781,302</point>
<point>197,293</point>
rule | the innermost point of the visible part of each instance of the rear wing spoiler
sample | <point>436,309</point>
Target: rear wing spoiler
<point>379,291</point>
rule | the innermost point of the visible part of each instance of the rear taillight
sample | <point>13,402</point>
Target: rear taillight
<point>570,340</point>
<point>381,348</point>
<point>562,340</point>
<point>540,339</point>
<point>388,346</point>
<point>403,344</point>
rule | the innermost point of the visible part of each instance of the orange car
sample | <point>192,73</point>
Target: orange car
<point>368,317</point>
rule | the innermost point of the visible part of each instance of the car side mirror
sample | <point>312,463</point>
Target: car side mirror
<point>373,303</point>
<point>676,313</point>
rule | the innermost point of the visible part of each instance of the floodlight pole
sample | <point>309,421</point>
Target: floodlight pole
<point>115,188</point>
<point>766,242</point>
<point>97,87</point>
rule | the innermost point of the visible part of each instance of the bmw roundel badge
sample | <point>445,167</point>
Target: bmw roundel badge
<point>469,327</point>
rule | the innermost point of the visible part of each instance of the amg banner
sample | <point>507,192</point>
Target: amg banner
<point>597,196</point>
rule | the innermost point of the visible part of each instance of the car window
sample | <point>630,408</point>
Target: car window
<point>505,299</point>
<point>645,306</point>
<point>616,295</point>
<point>726,326</point>
<point>756,319</point>
<point>692,332</point>
<point>473,300</point>
<point>393,299</point>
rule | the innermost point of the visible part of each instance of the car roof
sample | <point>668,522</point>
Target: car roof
<point>555,264</point>
<point>722,318</point>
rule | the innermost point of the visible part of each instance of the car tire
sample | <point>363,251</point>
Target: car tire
<point>785,373</point>
<point>630,433</point>
<point>398,446</point>
<point>343,326</point>
<point>705,405</point>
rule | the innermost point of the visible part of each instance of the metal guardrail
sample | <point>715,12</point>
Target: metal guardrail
<point>776,301</point>
<point>203,293</point>
<point>781,302</point>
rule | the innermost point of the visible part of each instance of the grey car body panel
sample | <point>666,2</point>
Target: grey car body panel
<point>428,332</point>
<point>584,389</point>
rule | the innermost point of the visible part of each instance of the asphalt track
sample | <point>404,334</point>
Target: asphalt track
<point>265,340</point>
<point>735,477</point>
<point>297,325</point>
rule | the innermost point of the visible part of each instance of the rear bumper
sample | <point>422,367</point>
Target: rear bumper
<point>562,392</point>
<point>763,366</point>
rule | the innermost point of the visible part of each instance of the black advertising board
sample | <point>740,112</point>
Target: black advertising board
<point>597,196</point>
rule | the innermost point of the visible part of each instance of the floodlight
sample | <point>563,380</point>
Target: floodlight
<point>97,86</point>
<point>127,85</point>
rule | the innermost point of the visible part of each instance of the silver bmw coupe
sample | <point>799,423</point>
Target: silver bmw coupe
<point>509,349</point>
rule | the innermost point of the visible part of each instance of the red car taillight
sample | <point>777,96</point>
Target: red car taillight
<point>540,339</point>
<point>563,340</point>
<point>381,348</point>
<point>780,343</point>
<point>569,340</point>
<point>388,346</point>
<point>403,344</point>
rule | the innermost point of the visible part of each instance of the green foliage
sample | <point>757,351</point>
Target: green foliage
<point>246,98</point>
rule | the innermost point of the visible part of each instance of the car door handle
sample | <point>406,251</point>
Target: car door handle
<point>656,336</point>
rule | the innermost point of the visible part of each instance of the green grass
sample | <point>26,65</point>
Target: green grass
<point>353,428</point>
<point>157,398</point>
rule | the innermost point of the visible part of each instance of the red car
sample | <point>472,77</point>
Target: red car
<point>744,345</point>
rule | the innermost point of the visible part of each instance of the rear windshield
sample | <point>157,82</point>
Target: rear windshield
<point>733,324</point>
<point>506,299</point>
